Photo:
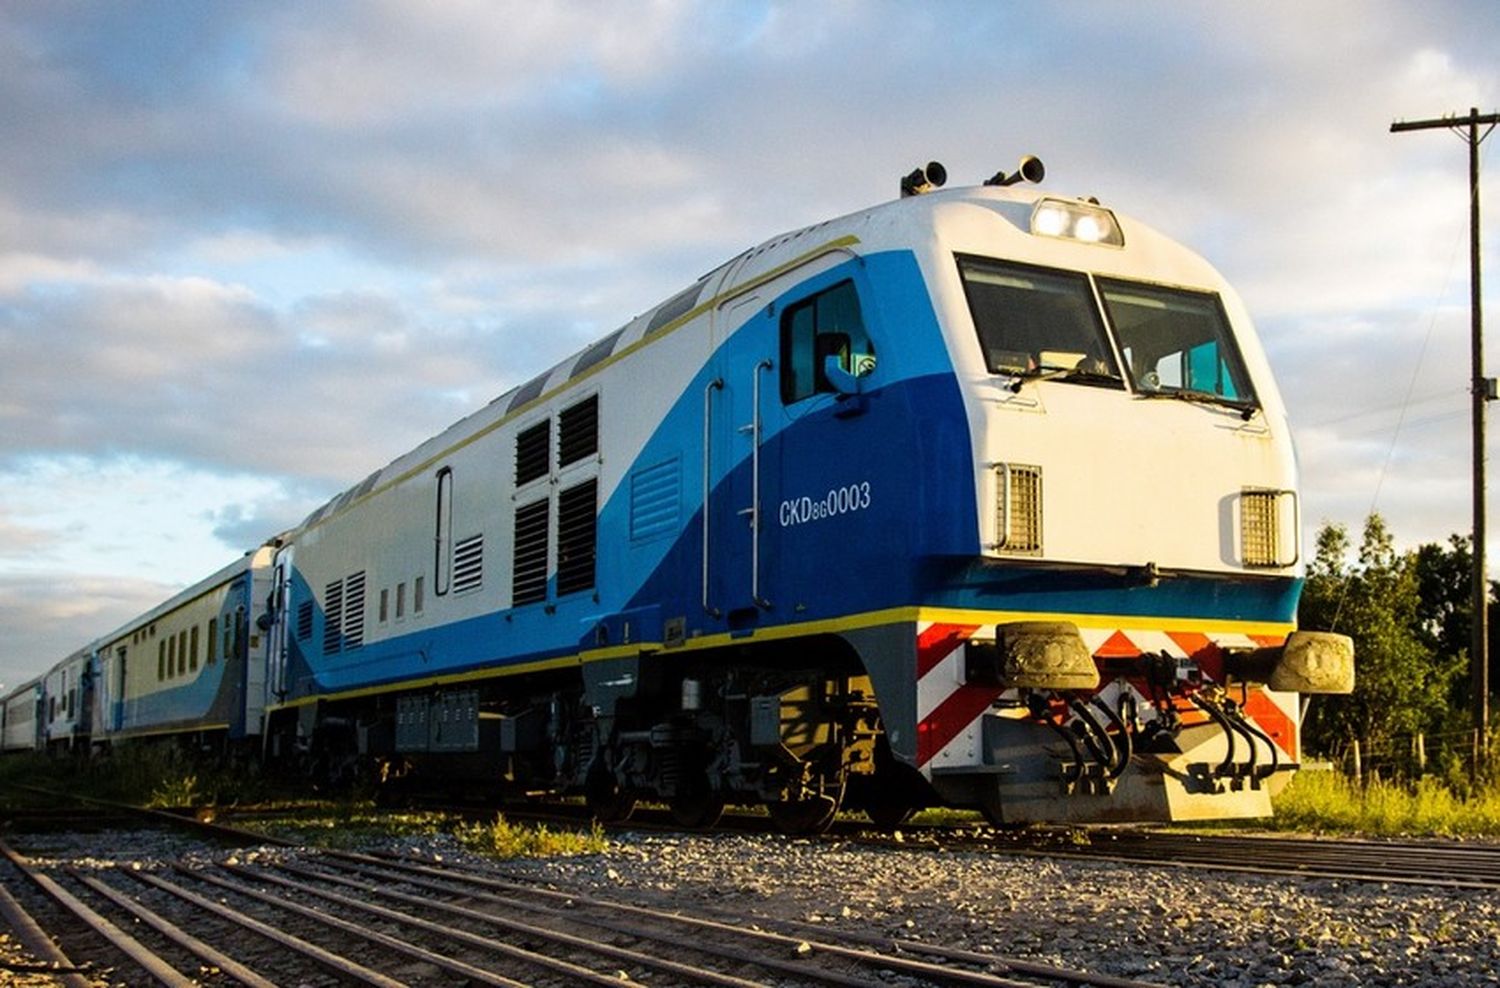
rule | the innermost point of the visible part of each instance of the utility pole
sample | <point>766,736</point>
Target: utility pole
<point>1482,390</point>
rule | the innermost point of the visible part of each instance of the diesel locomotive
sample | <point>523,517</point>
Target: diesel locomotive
<point>980,497</point>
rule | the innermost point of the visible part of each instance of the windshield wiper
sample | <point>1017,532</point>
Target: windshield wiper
<point>1247,409</point>
<point>1064,374</point>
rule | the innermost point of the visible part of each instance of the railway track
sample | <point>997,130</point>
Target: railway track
<point>307,917</point>
<point>1449,864</point>
<point>1446,863</point>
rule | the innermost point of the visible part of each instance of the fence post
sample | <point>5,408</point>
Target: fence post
<point>1420,742</point>
<point>1359,774</point>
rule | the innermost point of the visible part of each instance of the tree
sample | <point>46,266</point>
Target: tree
<point>1444,580</point>
<point>1402,680</point>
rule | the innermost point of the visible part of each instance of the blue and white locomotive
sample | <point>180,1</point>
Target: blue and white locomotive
<point>981,497</point>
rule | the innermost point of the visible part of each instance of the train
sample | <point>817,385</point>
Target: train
<point>980,497</point>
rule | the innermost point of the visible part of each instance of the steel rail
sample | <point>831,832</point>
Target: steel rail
<point>36,941</point>
<point>204,952</point>
<point>401,946</point>
<point>556,936</point>
<point>795,969</point>
<point>905,965</point>
<point>460,968</point>
<point>486,943</point>
<point>315,953</point>
<point>1454,866</point>
<point>138,952</point>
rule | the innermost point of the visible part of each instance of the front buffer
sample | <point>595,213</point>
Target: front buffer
<point>1034,721</point>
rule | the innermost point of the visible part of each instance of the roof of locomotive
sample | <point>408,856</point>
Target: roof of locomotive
<point>894,222</point>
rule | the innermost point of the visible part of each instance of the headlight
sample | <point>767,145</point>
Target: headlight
<point>1073,220</point>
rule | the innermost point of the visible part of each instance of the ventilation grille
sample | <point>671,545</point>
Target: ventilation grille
<point>304,620</point>
<point>354,611</point>
<point>576,537</point>
<point>655,500</point>
<point>533,448</point>
<point>1019,518</point>
<point>468,564</point>
<point>529,581</point>
<point>1261,537</point>
<point>578,431</point>
<point>333,616</point>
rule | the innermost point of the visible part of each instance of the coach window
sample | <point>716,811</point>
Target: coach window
<point>828,324</point>
<point>443,563</point>
<point>213,641</point>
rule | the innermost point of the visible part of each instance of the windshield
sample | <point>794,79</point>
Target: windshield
<point>1033,321</point>
<point>1176,342</point>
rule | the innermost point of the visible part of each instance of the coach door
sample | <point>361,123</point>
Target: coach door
<point>117,704</point>
<point>278,637</point>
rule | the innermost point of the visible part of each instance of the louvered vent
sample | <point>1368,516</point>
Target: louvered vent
<point>533,451</point>
<point>529,582</point>
<point>655,500</point>
<point>576,537</point>
<point>333,616</point>
<point>468,564</point>
<point>354,611</point>
<point>578,431</point>
<point>304,620</point>
<point>1019,522</point>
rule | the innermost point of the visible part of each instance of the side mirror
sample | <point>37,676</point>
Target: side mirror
<point>832,350</point>
<point>842,381</point>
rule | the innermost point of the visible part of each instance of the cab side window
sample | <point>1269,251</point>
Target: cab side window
<point>823,325</point>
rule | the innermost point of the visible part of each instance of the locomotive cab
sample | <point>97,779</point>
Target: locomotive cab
<point>1117,647</point>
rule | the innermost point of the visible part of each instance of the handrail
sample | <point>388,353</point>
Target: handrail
<point>755,424</point>
<point>708,410</point>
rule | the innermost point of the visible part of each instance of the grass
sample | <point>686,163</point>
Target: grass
<point>1328,802</point>
<point>503,839</point>
<point>353,825</point>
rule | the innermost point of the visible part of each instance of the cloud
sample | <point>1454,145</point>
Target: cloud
<point>266,252</point>
<point>48,615</point>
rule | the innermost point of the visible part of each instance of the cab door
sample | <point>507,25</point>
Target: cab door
<point>738,475</point>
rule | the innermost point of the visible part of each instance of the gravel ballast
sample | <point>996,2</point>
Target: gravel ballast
<point>1166,925</point>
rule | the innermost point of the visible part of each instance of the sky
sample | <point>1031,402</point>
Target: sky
<point>251,252</point>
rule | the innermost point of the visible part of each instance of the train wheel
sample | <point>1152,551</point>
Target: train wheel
<point>807,817</point>
<point>699,807</point>
<point>606,800</point>
<point>888,815</point>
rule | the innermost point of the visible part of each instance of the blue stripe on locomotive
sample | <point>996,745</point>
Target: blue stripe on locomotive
<point>907,538</point>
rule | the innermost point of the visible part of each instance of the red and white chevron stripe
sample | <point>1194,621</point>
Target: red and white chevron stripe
<point>949,709</point>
